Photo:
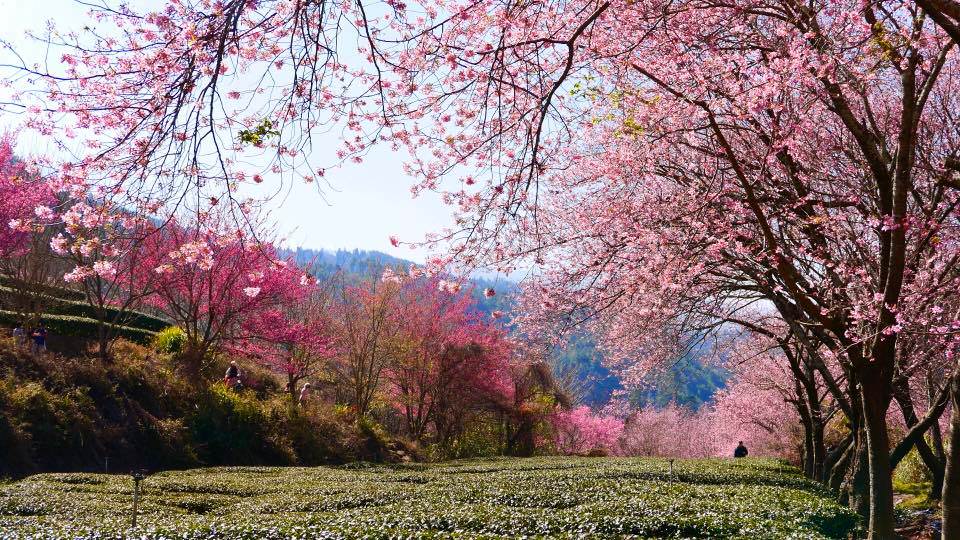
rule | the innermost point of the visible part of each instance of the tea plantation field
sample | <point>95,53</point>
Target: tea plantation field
<point>497,498</point>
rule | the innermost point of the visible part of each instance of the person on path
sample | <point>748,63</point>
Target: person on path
<point>232,377</point>
<point>741,451</point>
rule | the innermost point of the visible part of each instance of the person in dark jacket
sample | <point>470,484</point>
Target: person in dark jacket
<point>39,336</point>
<point>741,451</point>
<point>232,377</point>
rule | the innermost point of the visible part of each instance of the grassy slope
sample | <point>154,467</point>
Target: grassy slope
<point>544,497</point>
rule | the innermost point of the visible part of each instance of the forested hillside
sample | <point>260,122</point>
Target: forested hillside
<point>688,382</point>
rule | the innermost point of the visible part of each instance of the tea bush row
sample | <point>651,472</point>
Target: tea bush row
<point>540,497</point>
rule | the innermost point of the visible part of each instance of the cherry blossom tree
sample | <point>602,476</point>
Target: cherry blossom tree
<point>293,339</point>
<point>364,325</point>
<point>210,282</point>
<point>448,359</point>
<point>26,205</point>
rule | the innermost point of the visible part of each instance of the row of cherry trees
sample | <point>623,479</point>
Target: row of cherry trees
<point>672,170</point>
<point>408,348</point>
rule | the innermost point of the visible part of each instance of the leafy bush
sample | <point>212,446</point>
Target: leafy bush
<point>131,319</point>
<point>62,423</point>
<point>493,498</point>
<point>234,427</point>
<point>170,340</point>
<point>911,470</point>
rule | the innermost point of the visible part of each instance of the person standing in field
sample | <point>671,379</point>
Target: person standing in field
<point>741,451</point>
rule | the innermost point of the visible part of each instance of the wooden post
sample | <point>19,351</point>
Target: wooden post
<point>137,477</point>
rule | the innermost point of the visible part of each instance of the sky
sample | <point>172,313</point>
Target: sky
<point>361,208</point>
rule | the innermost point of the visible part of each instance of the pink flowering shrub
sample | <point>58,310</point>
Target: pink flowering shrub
<point>580,430</point>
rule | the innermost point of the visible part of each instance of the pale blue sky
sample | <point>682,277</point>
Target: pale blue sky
<point>368,202</point>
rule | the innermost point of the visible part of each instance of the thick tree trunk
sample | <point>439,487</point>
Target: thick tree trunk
<point>856,489</point>
<point>819,447</point>
<point>875,402</point>
<point>951,484</point>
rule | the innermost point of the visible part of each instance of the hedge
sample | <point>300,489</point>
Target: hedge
<point>66,325</point>
<point>59,293</point>
<point>74,308</point>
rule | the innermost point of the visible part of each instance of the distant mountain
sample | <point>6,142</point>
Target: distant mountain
<point>688,383</point>
<point>324,263</point>
<point>581,358</point>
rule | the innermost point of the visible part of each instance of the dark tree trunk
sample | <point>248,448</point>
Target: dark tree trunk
<point>875,401</point>
<point>934,463</point>
<point>837,464</point>
<point>292,387</point>
<point>856,488</point>
<point>522,442</point>
<point>951,484</point>
<point>808,455</point>
<point>818,446</point>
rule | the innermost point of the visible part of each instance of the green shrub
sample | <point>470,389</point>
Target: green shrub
<point>49,290</point>
<point>911,470</point>
<point>235,428</point>
<point>58,428</point>
<point>170,340</point>
<point>78,307</point>
<point>315,439</point>
<point>481,438</point>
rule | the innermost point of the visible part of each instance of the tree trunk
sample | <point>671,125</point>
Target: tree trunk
<point>837,463</point>
<point>856,489</point>
<point>875,402</point>
<point>808,451</point>
<point>933,462</point>
<point>818,445</point>
<point>951,484</point>
<point>292,388</point>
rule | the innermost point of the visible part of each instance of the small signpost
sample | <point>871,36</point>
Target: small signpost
<point>138,477</point>
<point>671,470</point>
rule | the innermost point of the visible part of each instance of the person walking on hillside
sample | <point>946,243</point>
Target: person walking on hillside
<point>304,394</point>
<point>741,451</point>
<point>20,335</point>
<point>232,377</point>
<point>39,336</point>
